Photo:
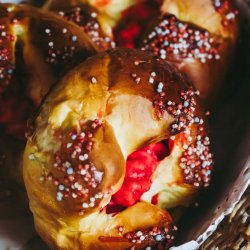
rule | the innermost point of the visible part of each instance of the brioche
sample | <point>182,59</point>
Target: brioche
<point>120,139</point>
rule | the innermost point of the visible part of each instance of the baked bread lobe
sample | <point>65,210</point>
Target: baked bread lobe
<point>199,37</point>
<point>49,46</point>
<point>111,9</point>
<point>95,24</point>
<point>36,49</point>
<point>108,107</point>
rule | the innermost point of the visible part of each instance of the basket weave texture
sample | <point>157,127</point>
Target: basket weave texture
<point>234,231</point>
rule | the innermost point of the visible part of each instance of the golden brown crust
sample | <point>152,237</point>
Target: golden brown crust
<point>101,112</point>
<point>94,24</point>
<point>109,9</point>
<point>218,16</point>
<point>50,46</point>
<point>200,45</point>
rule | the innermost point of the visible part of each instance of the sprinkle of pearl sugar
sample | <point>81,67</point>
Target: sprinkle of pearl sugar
<point>88,21</point>
<point>6,64</point>
<point>51,44</point>
<point>47,31</point>
<point>182,111</point>
<point>80,178</point>
<point>151,236</point>
<point>58,54</point>
<point>93,80</point>
<point>32,157</point>
<point>160,87</point>
<point>74,38</point>
<point>224,8</point>
<point>136,78</point>
<point>196,161</point>
<point>172,36</point>
<point>10,9</point>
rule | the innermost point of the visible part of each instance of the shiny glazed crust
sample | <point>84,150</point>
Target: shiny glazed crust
<point>111,9</point>
<point>199,37</point>
<point>214,14</point>
<point>96,25</point>
<point>106,108</point>
<point>47,47</point>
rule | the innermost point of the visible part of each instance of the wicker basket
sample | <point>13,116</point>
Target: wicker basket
<point>234,232</point>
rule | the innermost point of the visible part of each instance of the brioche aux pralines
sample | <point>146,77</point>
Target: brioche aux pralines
<point>122,134</point>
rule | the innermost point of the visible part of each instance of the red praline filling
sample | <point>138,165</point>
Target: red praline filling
<point>140,166</point>
<point>134,21</point>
